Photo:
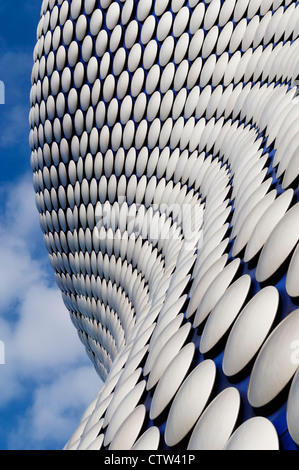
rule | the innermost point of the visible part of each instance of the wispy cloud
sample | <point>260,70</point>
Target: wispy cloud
<point>45,361</point>
<point>54,412</point>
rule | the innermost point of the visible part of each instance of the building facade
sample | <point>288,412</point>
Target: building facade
<point>164,138</point>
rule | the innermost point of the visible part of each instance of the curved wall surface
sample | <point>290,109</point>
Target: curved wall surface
<point>165,154</point>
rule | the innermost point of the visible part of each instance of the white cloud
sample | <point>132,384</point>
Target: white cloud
<point>60,409</point>
<point>55,410</point>
<point>45,361</point>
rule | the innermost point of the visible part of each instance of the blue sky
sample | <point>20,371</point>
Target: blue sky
<point>47,380</point>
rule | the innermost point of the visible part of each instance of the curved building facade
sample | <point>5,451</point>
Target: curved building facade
<point>165,153</point>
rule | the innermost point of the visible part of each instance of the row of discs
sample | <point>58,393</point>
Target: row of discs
<point>164,139</point>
